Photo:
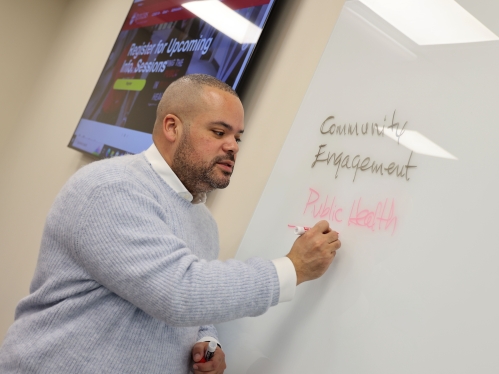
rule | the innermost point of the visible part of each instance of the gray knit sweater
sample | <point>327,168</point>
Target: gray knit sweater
<point>127,279</point>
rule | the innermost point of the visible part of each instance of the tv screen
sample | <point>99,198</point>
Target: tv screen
<point>160,41</point>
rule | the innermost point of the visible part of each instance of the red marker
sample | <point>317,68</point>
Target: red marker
<point>212,346</point>
<point>299,230</point>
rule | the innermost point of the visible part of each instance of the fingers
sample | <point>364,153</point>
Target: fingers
<point>322,226</point>
<point>328,236</point>
<point>198,351</point>
<point>333,241</point>
<point>330,243</point>
<point>215,366</point>
<point>335,246</point>
<point>331,236</point>
<point>313,252</point>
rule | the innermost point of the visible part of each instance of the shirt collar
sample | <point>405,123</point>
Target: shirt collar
<point>166,173</point>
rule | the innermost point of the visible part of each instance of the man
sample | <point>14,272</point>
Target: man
<point>127,279</point>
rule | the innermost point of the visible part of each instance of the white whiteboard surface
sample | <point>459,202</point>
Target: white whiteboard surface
<point>415,286</point>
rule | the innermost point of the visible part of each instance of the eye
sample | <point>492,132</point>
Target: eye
<point>238,140</point>
<point>218,133</point>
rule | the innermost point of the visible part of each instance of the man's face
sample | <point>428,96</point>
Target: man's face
<point>206,153</point>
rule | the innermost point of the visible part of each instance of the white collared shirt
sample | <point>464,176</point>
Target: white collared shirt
<point>166,173</point>
<point>285,269</point>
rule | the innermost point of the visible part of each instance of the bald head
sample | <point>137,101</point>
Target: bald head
<point>184,98</point>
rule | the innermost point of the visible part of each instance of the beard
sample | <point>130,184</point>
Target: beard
<point>199,176</point>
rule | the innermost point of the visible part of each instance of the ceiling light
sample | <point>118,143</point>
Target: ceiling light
<point>225,20</point>
<point>429,22</point>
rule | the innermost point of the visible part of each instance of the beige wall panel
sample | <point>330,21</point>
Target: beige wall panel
<point>27,28</point>
<point>35,162</point>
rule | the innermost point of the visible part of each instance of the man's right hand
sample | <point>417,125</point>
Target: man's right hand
<point>313,252</point>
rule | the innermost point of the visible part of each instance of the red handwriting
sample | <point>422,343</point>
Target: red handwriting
<point>324,210</point>
<point>379,216</point>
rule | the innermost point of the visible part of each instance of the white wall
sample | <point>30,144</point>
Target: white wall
<point>35,162</point>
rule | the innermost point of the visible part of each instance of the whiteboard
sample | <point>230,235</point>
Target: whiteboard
<point>415,286</point>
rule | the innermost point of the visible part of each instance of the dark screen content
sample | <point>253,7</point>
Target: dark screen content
<point>148,59</point>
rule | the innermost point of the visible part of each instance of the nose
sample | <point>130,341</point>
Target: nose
<point>231,146</point>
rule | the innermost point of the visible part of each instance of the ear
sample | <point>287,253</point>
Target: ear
<point>172,128</point>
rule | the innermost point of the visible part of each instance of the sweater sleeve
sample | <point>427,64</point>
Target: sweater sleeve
<point>124,244</point>
<point>208,333</point>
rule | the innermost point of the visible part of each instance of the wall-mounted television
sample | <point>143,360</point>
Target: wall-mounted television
<point>160,41</point>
